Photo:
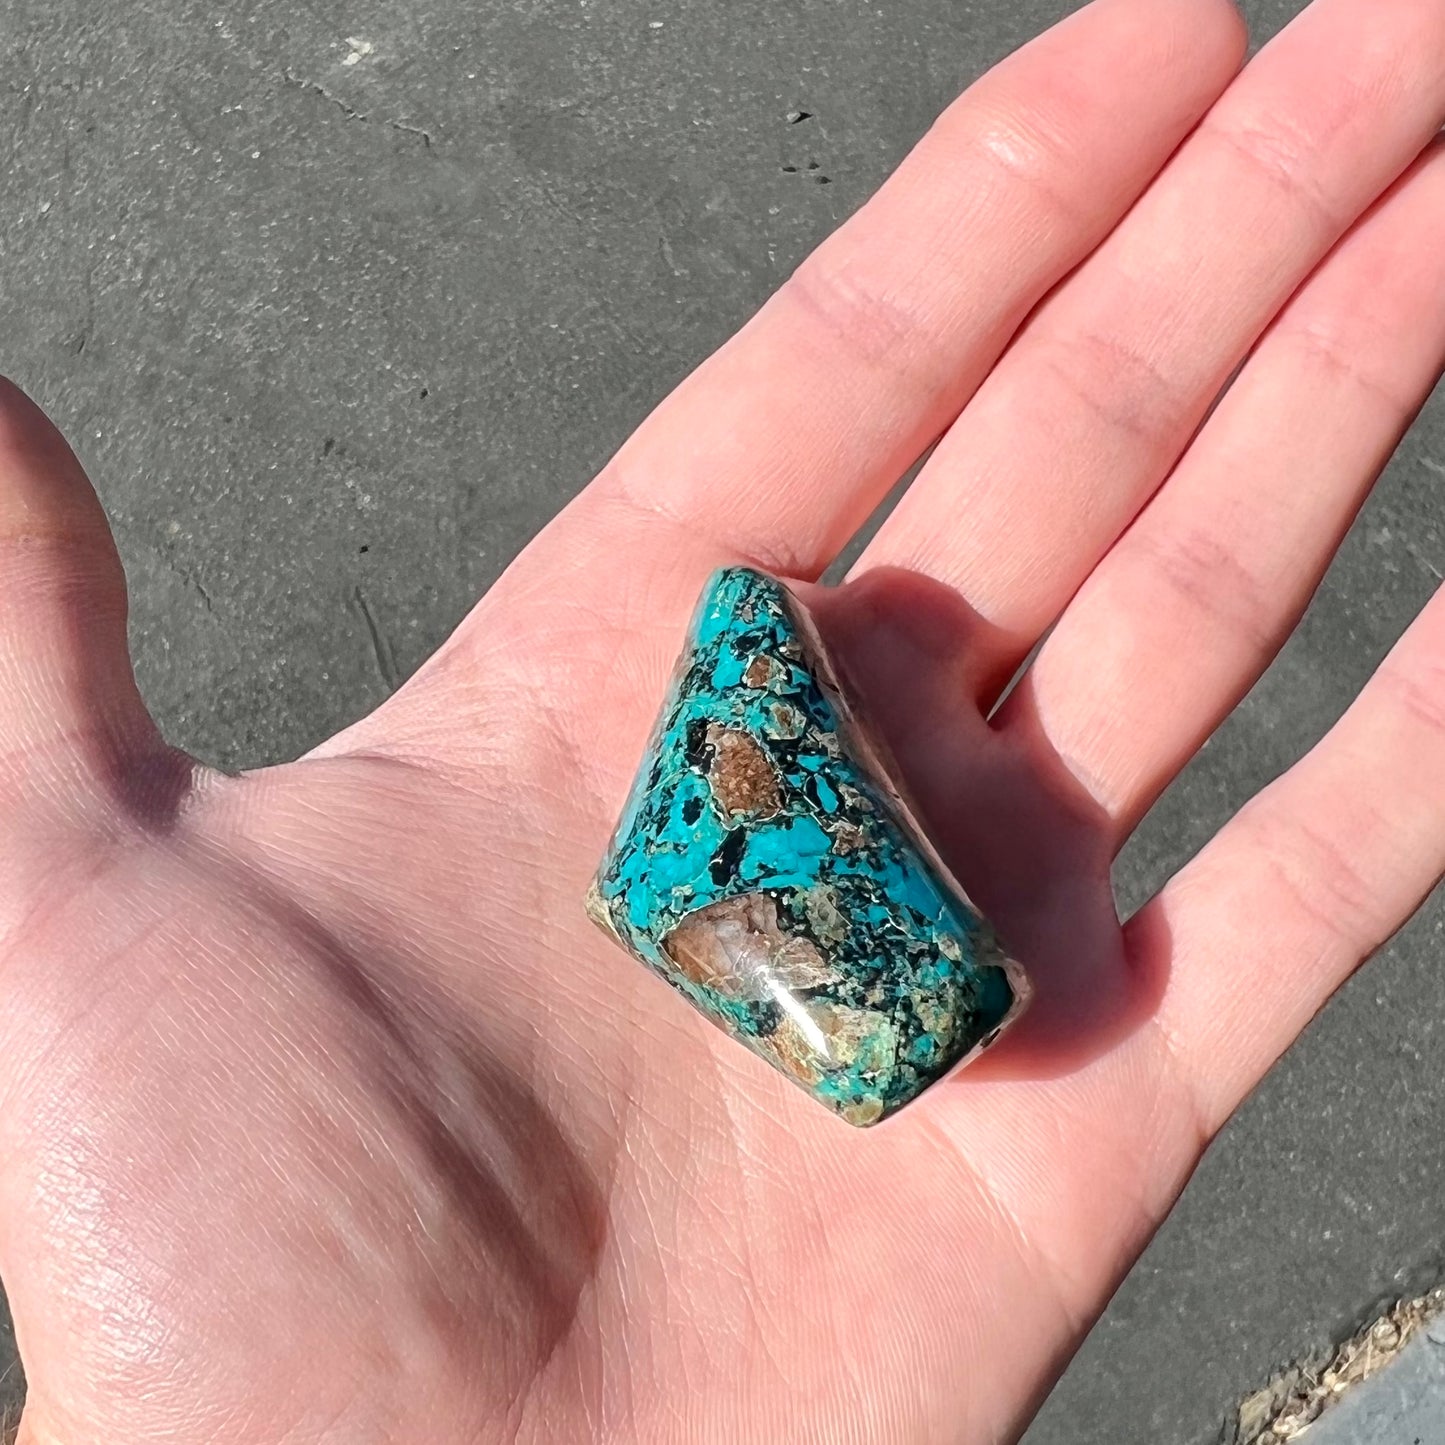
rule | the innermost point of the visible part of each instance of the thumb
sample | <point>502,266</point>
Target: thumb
<point>69,707</point>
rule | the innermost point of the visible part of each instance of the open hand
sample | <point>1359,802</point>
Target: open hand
<point>326,1116</point>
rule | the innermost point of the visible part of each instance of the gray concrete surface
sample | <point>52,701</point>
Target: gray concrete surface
<point>1399,1406</point>
<point>337,338</point>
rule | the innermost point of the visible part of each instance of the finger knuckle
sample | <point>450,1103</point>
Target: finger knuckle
<point>1206,576</point>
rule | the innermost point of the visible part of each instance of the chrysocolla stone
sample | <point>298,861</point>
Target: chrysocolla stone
<point>766,867</point>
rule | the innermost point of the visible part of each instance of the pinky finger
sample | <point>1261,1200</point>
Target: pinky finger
<point>1305,882</point>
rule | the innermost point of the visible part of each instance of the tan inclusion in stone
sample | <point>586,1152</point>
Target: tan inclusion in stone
<point>762,672</point>
<point>740,774</point>
<point>740,949</point>
<point>737,947</point>
<point>599,913</point>
<point>814,1036</point>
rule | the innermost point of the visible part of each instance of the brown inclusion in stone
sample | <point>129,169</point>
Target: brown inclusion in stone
<point>760,671</point>
<point>740,775</point>
<point>738,948</point>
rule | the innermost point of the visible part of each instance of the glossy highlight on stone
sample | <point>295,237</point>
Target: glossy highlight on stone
<point>767,868</point>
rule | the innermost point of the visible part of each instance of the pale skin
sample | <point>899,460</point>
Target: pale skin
<point>327,1116</point>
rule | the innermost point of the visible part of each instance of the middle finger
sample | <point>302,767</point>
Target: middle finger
<point>1102,389</point>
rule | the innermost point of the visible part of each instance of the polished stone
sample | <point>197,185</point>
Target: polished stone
<point>766,867</point>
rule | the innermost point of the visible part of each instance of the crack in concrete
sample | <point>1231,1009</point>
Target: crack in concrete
<point>381,651</point>
<point>407,129</point>
<point>80,339</point>
<point>187,578</point>
<point>350,111</point>
<point>300,82</point>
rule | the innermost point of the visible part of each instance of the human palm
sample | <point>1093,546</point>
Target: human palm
<point>327,1116</point>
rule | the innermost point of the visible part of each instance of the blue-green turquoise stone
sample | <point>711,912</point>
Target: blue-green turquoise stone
<point>766,867</point>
